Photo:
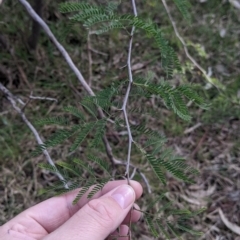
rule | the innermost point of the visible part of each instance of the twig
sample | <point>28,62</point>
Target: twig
<point>44,98</point>
<point>12,100</point>
<point>89,60</point>
<point>124,106</point>
<point>145,180</point>
<point>61,49</point>
<point>5,90</point>
<point>194,152</point>
<point>183,42</point>
<point>125,101</point>
<point>119,162</point>
<point>193,128</point>
<point>98,52</point>
<point>3,113</point>
<point>133,173</point>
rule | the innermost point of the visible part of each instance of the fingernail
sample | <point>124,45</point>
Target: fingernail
<point>124,196</point>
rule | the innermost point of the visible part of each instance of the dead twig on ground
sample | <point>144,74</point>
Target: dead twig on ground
<point>43,98</point>
<point>12,99</point>
<point>195,63</point>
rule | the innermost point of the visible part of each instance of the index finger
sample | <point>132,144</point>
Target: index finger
<point>52,213</point>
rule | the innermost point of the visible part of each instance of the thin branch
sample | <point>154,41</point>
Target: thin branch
<point>90,74</point>
<point>133,173</point>
<point>145,180</point>
<point>12,99</point>
<point>61,49</point>
<point>8,93</point>
<point>44,98</point>
<point>183,42</point>
<point>119,162</point>
<point>98,52</point>
<point>125,101</point>
<point>3,113</point>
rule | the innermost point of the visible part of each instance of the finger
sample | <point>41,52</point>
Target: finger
<point>133,216</point>
<point>108,187</point>
<point>100,217</point>
<point>120,234</point>
<point>52,213</point>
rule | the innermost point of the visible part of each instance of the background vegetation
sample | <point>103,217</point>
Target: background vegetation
<point>210,142</point>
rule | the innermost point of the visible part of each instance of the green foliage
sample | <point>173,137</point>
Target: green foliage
<point>164,221</point>
<point>75,112</point>
<point>73,172</point>
<point>102,164</point>
<point>183,6</point>
<point>173,97</point>
<point>160,158</point>
<point>98,20</point>
<point>92,172</point>
<point>52,120</point>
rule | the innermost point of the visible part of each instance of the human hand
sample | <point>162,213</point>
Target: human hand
<point>94,219</point>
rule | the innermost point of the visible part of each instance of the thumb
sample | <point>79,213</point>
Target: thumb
<point>99,217</point>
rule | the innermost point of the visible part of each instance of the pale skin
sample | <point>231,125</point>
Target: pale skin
<point>98,218</point>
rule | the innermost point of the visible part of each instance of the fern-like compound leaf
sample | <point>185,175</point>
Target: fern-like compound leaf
<point>87,15</point>
<point>85,130</point>
<point>174,169</point>
<point>49,167</point>
<point>53,188</point>
<point>101,163</point>
<point>111,7</point>
<point>172,229</point>
<point>60,136</point>
<point>90,106</point>
<point>156,168</point>
<point>53,120</point>
<point>151,226</point>
<point>183,6</point>
<point>157,199</point>
<point>98,187</point>
<point>85,166</point>
<point>104,29</point>
<point>99,133</point>
<point>75,112</point>
<point>188,92</point>
<point>179,107</point>
<point>173,97</point>
<point>162,229</point>
<point>80,194</point>
<point>83,190</point>
<point>67,7</point>
<point>69,167</point>
<point>188,230</point>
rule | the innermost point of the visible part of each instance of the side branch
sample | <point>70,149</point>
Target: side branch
<point>12,99</point>
<point>183,42</point>
<point>61,49</point>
